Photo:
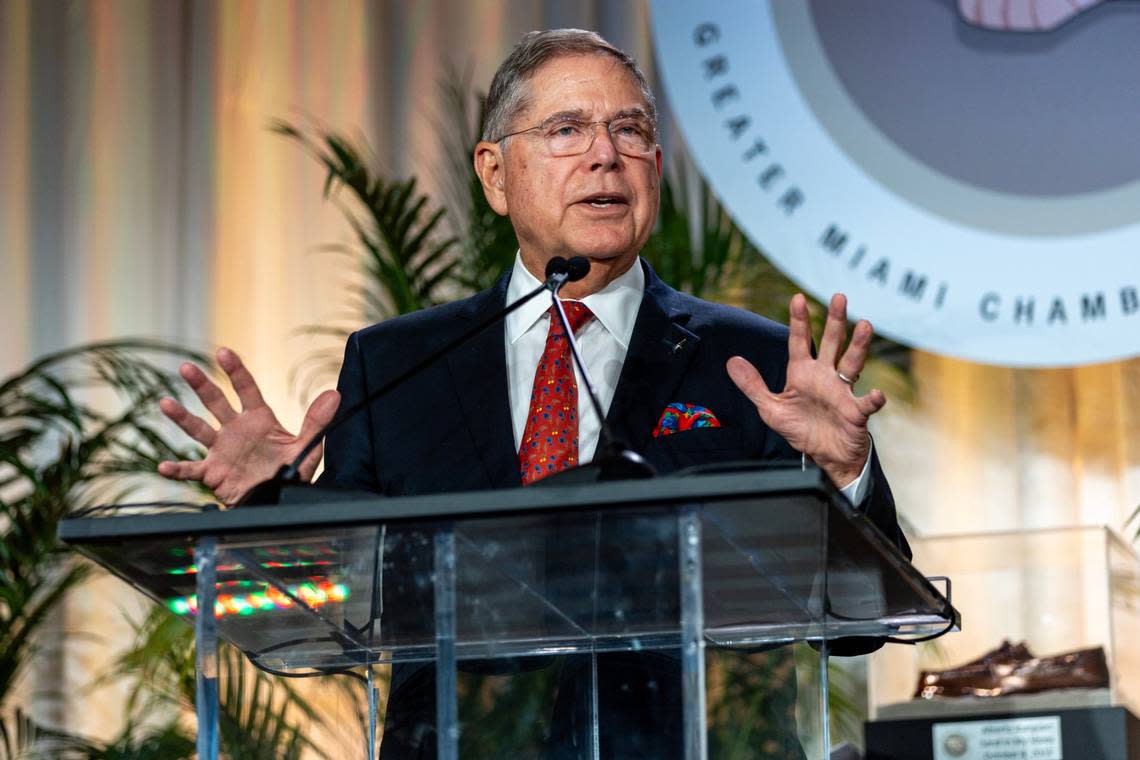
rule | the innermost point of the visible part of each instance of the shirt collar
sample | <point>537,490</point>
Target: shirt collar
<point>615,306</point>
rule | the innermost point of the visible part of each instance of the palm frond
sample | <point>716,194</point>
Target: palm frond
<point>167,742</point>
<point>18,734</point>
<point>72,424</point>
<point>258,716</point>
<point>406,259</point>
<point>487,240</point>
<point>21,738</point>
<point>394,223</point>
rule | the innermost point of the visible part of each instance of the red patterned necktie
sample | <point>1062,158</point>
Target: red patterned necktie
<point>550,438</point>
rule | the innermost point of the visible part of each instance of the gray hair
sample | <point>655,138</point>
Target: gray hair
<point>510,92</point>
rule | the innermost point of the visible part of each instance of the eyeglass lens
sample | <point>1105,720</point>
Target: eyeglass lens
<point>568,138</point>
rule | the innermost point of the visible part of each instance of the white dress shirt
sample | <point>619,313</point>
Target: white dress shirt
<point>603,342</point>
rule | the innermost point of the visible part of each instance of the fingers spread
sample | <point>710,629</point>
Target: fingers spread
<point>872,402</point>
<point>320,413</point>
<point>856,354</point>
<point>209,393</point>
<point>309,466</point>
<point>834,330</point>
<point>799,334</point>
<point>748,380</point>
<point>191,424</point>
<point>182,470</point>
<point>241,378</point>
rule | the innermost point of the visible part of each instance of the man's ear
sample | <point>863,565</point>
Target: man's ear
<point>491,170</point>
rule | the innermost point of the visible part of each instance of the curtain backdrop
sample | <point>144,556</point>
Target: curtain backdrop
<point>143,194</point>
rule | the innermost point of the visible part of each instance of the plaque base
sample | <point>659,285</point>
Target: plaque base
<point>1093,733</point>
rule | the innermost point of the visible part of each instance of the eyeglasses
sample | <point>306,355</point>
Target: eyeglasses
<point>563,136</point>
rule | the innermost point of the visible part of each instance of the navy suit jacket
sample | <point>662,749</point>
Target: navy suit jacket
<point>450,429</point>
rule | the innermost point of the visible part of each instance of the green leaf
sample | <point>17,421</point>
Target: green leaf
<point>58,453</point>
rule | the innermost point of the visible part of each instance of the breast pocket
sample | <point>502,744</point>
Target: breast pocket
<point>698,446</point>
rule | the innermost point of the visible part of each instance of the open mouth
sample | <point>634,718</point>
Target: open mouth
<point>605,200</point>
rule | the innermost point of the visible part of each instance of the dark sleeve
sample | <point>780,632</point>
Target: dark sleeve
<point>350,461</point>
<point>879,506</point>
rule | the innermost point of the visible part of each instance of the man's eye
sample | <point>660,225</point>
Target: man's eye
<point>565,129</point>
<point>629,129</point>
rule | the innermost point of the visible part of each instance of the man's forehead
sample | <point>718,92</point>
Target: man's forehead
<point>583,83</point>
<point>632,112</point>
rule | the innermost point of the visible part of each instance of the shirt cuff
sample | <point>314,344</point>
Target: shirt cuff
<point>856,490</point>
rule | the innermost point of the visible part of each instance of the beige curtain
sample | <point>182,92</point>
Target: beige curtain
<point>987,448</point>
<point>142,194</point>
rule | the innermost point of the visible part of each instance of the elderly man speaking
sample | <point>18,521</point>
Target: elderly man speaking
<point>570,154</point>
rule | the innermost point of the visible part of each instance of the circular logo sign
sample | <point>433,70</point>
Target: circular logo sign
<point>966,171</point>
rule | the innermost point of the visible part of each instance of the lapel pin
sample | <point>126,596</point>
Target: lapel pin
<point>679,345</point>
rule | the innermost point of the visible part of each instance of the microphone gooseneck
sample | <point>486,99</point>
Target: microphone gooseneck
<point>616,461</point>
<point>558,272</point>
<point>591,391</point>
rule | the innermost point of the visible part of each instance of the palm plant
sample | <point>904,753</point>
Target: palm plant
<point>260,717</point>
<point>75,427</point>
<point>61,451</point>
<point>487,241</point>
<point>78,428</point>
<point>408,261</point>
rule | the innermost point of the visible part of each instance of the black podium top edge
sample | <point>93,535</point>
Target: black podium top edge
<point>456,505</point>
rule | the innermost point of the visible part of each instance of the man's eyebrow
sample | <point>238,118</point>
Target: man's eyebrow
<point>579,114</point>
<point>574,115</point>
<point>632,113</point>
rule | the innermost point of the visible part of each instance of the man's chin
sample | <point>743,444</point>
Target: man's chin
<point>608,257</point>
<point>598,248</point>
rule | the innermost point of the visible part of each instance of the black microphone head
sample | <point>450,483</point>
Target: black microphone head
<point>576,268</point>
<point>558,265</point>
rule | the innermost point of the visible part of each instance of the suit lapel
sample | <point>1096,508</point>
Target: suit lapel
<point>479,377</point>
<point>659,353</point>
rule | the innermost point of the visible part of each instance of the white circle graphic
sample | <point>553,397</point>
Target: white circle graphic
<point>812,137</point>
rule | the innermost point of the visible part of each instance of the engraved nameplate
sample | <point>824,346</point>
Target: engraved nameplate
<point>1012,739</point>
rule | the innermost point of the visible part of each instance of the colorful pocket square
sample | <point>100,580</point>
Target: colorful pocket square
<point>679,417</point>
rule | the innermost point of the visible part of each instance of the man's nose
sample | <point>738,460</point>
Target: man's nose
<point>603,152</point>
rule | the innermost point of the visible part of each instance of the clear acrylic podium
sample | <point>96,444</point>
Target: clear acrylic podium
<point>670,571</point>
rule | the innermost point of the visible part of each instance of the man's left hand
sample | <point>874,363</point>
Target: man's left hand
<point>818,412</point>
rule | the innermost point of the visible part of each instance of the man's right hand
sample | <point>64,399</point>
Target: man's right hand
<point>250,445</point>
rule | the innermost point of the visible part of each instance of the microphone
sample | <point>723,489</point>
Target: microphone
<point>617,461</point>
<point>572,269</point>
<point>559,271</point>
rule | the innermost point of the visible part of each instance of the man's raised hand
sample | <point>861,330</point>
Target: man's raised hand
<point>818,412</point>
<point>248,446</point>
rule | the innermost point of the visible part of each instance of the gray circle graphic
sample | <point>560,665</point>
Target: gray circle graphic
<point>1034,134</point>
<point>1041,275</point>
<point>1049,113</point>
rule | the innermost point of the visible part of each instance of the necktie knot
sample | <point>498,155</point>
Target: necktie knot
<point>577,314</point>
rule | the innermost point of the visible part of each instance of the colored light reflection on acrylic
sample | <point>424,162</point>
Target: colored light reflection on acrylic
<point>272,565</point>
<point>268,557</point>
<point>316,593</point>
